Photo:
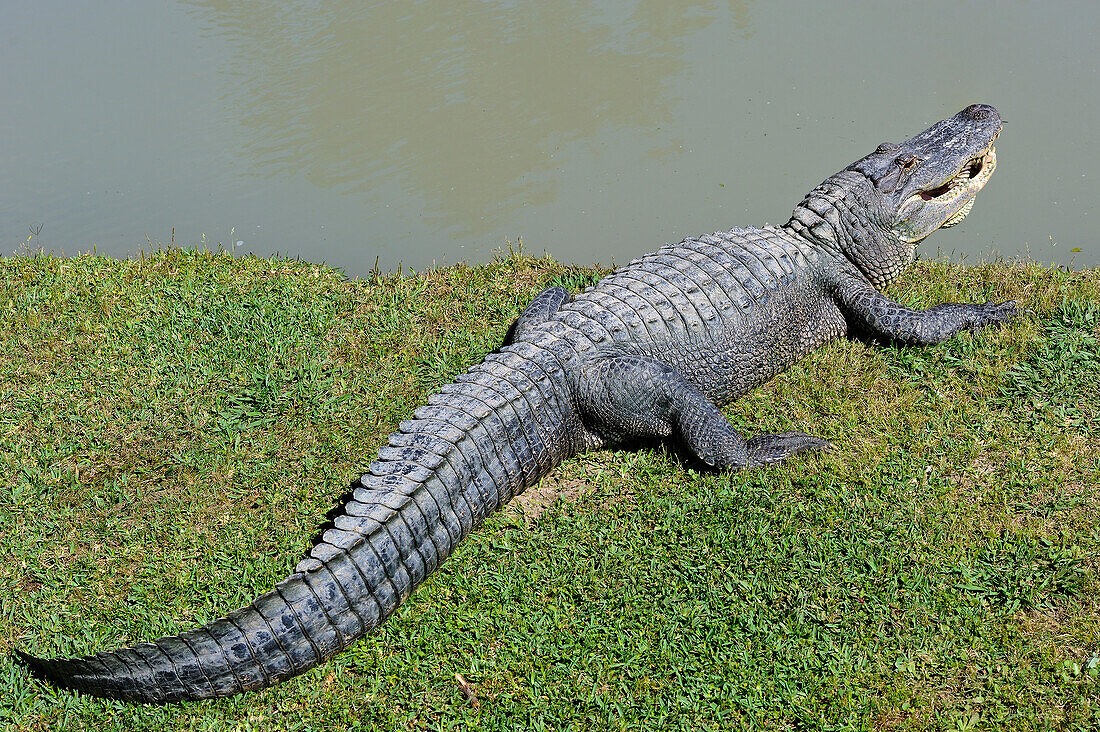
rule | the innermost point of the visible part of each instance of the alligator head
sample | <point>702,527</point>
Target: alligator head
<point>932,179</point>
<point>880,207</point>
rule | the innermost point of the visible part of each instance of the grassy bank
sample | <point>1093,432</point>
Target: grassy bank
<point>172,431</point>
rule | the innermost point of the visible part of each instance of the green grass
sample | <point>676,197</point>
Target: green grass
<point>173,429</point>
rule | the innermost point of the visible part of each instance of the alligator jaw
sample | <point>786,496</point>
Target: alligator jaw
<point>964,185</point>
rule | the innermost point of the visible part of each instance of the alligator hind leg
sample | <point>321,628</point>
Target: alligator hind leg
<point>640,396</point>
<point>545,304</point>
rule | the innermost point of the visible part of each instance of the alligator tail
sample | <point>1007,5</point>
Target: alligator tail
<point>496,430</point>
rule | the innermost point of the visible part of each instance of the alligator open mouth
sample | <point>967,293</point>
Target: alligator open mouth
<point>977,170</point>
<point>959,191</point>
<point>948,203</point>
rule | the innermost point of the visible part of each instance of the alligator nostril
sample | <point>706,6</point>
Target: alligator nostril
<point>978,112</point>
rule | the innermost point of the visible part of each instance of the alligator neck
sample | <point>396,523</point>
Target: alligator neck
<point>844,216</point>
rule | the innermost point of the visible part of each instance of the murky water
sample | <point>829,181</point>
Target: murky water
<point>428,132</point>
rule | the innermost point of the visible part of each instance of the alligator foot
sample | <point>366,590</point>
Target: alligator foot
<point>768,449</point>
<point>724,449</point>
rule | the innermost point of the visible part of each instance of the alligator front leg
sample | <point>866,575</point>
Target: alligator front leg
<point>868,311</point>
<point>545,304</point>
<point>642,397</point>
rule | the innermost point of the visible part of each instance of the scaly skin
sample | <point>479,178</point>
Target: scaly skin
<point>651,350</point>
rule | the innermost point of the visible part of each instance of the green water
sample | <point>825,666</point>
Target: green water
<point>427,132</point>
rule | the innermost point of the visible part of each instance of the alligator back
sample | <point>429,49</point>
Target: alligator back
<point>715,282</point>
<point>727,310</point>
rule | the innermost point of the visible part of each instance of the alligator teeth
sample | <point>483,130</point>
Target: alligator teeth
<point>958,215</point>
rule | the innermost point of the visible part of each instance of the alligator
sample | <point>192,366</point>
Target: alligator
<point>650,351</point>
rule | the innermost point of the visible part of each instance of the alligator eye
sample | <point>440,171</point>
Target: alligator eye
<point>907,161</point>
<point>886,148</point>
